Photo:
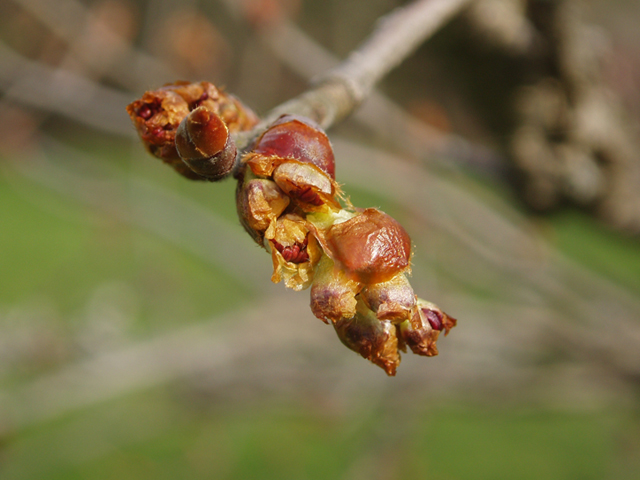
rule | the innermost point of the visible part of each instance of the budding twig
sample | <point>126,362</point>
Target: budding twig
<point>342,89</point>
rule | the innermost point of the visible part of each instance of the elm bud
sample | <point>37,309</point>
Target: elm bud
<point>297,138</point>
<point>205,145</point>
<point>372,247</point>
<point>157,114</point>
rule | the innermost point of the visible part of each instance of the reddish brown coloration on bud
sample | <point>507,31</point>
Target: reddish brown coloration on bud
<point>372,246</point>
<point>156,117</point>
<point>298,138</point>
<point>371,338</point>
<point>437,318</point>
<point>296,253</point>
<point>158,113</point>
<point>205,145</point>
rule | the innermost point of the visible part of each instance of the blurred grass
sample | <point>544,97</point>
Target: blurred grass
<point>63,252</point>
<point>606,252</point>
<point>158,435</point>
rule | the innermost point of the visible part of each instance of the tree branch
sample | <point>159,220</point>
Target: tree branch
<point>342,89</point>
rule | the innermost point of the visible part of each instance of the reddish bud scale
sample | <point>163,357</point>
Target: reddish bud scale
<point>205,145</point>
<point>372,246</point>
<point>300,139</point>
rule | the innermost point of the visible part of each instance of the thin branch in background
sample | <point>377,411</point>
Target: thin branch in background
<point>378,112</point>
<point>342,89</point>
<point>66,93</point>
<point>130,67</point>
<point>149,207</point>
<point>396,36</point>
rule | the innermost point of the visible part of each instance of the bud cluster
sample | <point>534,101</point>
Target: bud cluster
<point>189,127</point>
<point>356,261</point>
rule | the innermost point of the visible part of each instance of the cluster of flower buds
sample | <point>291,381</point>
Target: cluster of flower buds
<point>356,261</point>
<point>200,147</point>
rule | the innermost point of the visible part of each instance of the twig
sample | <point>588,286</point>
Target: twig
<point>382,115</point>
<point>342,89</point>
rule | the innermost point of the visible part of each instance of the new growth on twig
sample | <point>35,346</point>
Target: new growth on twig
<point>356,261</point>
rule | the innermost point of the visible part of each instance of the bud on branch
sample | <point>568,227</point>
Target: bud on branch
<point>355,261</point>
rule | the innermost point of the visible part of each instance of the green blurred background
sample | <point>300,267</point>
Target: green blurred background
<point>141,338</point>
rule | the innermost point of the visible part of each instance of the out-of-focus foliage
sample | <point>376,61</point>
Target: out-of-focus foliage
<point>140,336</point>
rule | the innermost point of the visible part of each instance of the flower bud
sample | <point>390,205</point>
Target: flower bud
<point>156,117</point>
<point>372,247</point>
<point>294,252</point>
<point>158,113</point>
<point>297,138</point>
<point>333,294</point>
<point>205,145</point>
<point>422,331</point>
<point>371,338</point>
<point>260,202</point>
<point>393,300</point>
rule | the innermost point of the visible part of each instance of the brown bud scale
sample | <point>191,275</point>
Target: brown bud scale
<point>372,246</point>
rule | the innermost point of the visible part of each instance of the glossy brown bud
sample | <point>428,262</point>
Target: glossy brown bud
<point>372,247</point>
<point>393,300</point>
<point>371,338</point>
<point>297,138</point>
<point>205,145</point>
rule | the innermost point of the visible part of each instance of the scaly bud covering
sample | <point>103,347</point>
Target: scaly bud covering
<point>158,114</point>
<point>205,145</point>
<point>355,261</point>
<point>372,247</point>
<point>260,202</point>
<point>297,138</point>
<point>373,339</point>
